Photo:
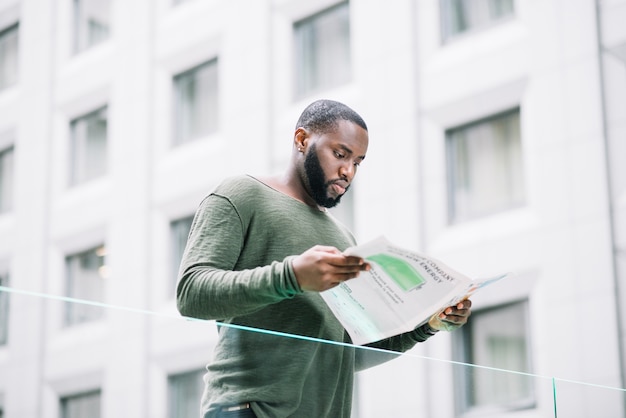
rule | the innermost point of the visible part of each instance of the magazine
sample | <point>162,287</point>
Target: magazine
<point>400,292</point>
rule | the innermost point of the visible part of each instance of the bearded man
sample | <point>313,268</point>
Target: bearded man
<point>259,252</point>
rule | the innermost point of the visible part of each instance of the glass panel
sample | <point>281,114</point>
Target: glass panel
<point>322,50</point>
<point>81,406</point>
<point>85,274</point>
<point>139,355</point>
<point>91,23</point>
<point>8,56</point>
<point>580,399</point>
<point>485,173</point>
<point>6,179</point>
<point>185,392</point>
<point>196,103</point>
<point>458,16</point>
<point>89,146</point>
<point>179,230</point>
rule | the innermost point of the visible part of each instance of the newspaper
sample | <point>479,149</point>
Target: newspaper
<point>400,292</point>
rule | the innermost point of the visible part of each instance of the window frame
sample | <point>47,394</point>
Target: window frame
<point>5,308</point>
<point>63,400</point>
<point>463,354</point>
<point>447,36</point>
<point>7,195</point>
<point>453,217</point>
<point>175,250</point>
<point>5,31</point>
<point>299,89</point>
<point>94,313</point>
<point>77,157</point>
<point>178,136</point>
<point>79,44</point>
<point>172,400</point>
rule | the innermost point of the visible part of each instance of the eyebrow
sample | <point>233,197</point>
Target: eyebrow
<point>348,150</point>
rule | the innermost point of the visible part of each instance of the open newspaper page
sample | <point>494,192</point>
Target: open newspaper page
<point>401,291</point>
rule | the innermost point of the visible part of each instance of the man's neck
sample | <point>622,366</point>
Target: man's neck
<point>292,186</point>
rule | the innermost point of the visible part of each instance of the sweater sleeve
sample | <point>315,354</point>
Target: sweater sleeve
<point>208,286</point>
<point>393,347</point>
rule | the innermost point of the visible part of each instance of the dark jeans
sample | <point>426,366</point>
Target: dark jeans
<point>243,413</point>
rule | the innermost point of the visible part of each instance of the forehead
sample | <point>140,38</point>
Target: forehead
<point>348,134</point>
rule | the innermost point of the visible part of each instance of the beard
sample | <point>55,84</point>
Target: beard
<point>318,186</point>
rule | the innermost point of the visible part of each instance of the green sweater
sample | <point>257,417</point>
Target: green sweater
<point>237,269</point>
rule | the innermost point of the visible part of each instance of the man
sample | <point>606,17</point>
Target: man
<point>259,252</point>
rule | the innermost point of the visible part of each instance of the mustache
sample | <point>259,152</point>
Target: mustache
<point>340,182</point>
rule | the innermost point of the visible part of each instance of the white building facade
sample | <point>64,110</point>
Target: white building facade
<point>496,144</point>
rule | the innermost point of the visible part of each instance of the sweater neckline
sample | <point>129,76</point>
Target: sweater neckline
<point>313,209</point>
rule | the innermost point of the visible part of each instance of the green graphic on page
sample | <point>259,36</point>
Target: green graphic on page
<point>402,273</point>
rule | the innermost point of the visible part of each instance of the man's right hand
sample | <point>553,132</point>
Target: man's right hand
<point>321,268</point>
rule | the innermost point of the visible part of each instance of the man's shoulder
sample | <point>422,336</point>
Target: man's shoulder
<point>240,187</point>
<point>237,184</point>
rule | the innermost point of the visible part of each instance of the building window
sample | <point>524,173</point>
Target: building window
<point>85,274</point>
<point>91,23</point>
<point>89,146</point>
<point>81,405</point>
<point>196,102</point>
<point>484,163</point>
<point>322,50</point>
<point>4,309</point>
<point>8,56</point>
<point>6,179</point>
<point>485,342</point>
<point>185,393</point>
<point>459,16</point>
<point>179,232</point>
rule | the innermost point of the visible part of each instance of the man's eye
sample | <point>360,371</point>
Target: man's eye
<point>339,155</point>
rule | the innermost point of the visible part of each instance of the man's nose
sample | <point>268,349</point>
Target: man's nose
<point>347,170</point>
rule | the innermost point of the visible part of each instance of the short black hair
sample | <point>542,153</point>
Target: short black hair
<point>321,116</point>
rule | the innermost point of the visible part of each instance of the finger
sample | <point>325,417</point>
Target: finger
<point>342,277</point>
<point>350,261</point>
<point>327,249</point>
<point>351,271</point>
<point>464,304</point>
<point>456,312</point>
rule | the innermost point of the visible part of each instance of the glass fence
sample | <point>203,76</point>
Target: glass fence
<point>68,358</point>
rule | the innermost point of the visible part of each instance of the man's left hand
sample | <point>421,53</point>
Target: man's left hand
<point>452,317</point>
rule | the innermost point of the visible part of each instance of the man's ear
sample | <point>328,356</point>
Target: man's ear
<point>301,139</point>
